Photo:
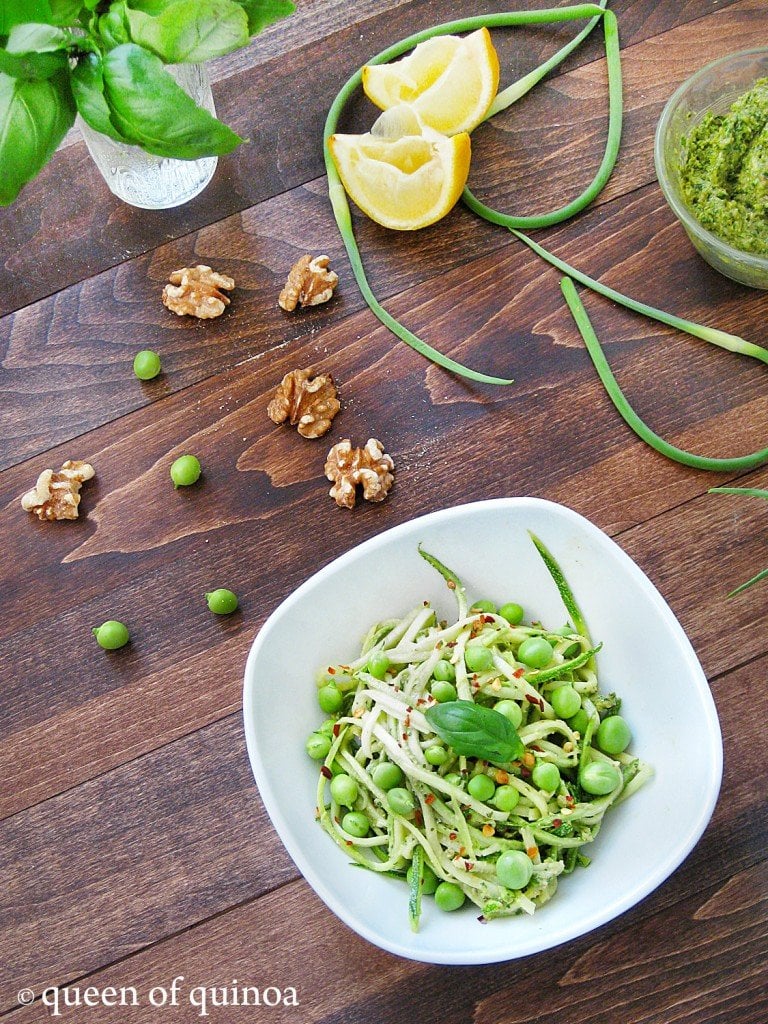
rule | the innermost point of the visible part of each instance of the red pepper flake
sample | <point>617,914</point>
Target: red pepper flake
<point>535,746</point>
<point>326,772</point>
<point>469,865</point>
<point>557,822</point>
<point>405,736</point>
<point>349,842</point>
<point>429,798</point>
<point>420,701</point>
<point>451,585</point>
<point>451,835</point>
<point>331,670</point>
<point>525,772</point>
<point>488,618</point>
<point>570,800</point>
<point>418,817</point>
<point>336,729</point>
<point>451,643</point>
<point>407,721</point>
<point>519,673</point>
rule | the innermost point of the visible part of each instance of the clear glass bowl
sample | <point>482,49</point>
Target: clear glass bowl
<point>713,88</point>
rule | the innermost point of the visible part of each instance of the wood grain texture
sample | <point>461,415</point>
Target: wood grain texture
<point>133,844</point>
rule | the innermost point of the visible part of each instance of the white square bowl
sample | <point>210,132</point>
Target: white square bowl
<point>646,659</point>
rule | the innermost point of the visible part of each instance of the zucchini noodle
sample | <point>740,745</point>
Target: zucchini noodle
<point>448,830</point>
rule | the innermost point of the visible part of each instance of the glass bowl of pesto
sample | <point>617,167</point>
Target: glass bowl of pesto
<point>711,158</point>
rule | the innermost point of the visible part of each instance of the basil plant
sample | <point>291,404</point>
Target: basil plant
<point>105,59</point>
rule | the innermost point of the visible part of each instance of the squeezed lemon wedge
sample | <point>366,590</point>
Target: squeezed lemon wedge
<point>402,174</point>
<point>449,81</point>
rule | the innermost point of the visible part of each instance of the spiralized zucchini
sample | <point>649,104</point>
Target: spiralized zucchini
<point>440,830</point>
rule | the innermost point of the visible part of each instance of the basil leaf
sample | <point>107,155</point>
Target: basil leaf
<point>265,12</point>
<point>151,6</point>
<point>18,12</point>
<point>34,117</point>
<point>88,90</point>
<point>113,26</point>
<point>475,731</point>
<point>35,51</point>
<point>37,38</point>
<point>65,12</point>
<point>148,107</point>
<point>191,31</point>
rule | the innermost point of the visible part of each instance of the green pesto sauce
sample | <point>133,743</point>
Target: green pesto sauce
<point>724,171</point>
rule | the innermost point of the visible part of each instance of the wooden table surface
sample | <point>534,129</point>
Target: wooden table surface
<point>133,844</point>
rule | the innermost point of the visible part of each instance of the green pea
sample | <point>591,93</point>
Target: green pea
<point>443,692</point>
<point>599,778</point>
<point>535,651</point>
<point>579,721</point>
<point>514,869</point>
<point>566,630</point>
<point>454,779</point>
<point>436,755</point>
<point>477,657</point>
<point>344,790</point>
<point>565,701</point>
<point>546,776</point>
<point>613,735</point>
<point>401,801</point>
<point>387,775</point>
<point>449,896</point>
<point>428,879</point>
<point>330,698</point>
<point>222,601</point>
<point>512,612</point>
<point>481,787</point>
<point>318,745</point>
<point>378,664</point>
<point>487,607</point>
<point>506,798</point>
<point>146,364</point>
<point>444,671</point>
<point>356,824</point>
<point>185,471</point>
<point>511,710</point>
<point>111,635</point>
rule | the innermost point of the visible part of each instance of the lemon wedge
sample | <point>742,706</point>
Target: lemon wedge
<point>449,81</point>
<point>402,174</point>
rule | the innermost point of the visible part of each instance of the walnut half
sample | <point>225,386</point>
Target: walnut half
<point>57,495</point>
<point>369,467</point>
<point>309,283</point>
<point>309,403</point>
<point>197,291</point>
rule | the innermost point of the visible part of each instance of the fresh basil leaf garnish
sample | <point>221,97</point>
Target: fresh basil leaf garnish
<point>475,731</point>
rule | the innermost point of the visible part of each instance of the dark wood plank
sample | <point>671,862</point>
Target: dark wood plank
<point>53,236</point>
